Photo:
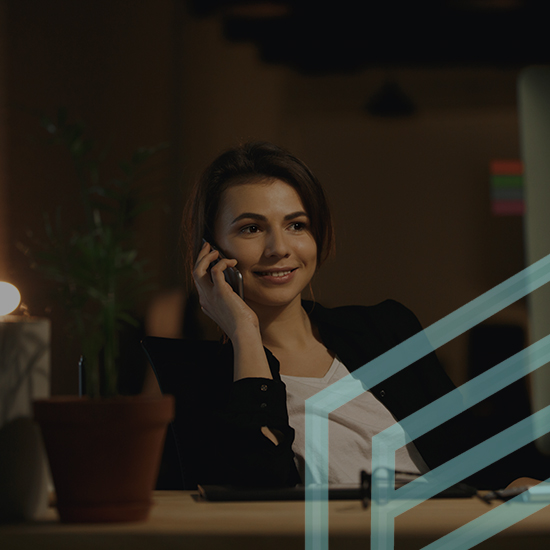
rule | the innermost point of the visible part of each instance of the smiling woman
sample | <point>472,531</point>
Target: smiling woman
<point>267,213</point>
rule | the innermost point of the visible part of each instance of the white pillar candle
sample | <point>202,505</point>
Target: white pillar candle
<point>24,376</point>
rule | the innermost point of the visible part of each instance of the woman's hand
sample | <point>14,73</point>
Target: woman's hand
<point>233,316</point>
<point>523,482</point>
<point>217,299</point>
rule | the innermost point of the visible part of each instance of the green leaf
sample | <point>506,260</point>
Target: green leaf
<point>127,318</point>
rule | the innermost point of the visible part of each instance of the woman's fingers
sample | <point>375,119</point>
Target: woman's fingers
<point>218,276</point>
<point>200,271</point>
<point>207,280</point>
<point>206,250</point>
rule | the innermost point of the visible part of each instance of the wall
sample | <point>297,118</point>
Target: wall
<point>4,229</point>
<point>410,196</point>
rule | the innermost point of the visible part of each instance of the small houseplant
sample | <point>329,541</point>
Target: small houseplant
<point>94,265</point>
<point>104,449</point>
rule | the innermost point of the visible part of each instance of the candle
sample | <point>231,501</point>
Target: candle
<point>24,376</point>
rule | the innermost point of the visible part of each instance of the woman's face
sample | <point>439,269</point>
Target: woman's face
<point>264,226</point>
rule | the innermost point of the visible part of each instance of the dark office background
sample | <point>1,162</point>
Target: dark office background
<point>398,110</point>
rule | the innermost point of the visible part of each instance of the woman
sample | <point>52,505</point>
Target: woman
<point>267,212</point>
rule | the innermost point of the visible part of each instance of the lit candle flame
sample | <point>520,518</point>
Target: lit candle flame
<point>9,298</point>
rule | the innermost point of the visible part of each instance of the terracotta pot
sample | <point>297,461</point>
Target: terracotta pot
<point>104,454</point>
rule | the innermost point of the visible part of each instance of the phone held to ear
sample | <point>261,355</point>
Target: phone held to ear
<point>232,274</point>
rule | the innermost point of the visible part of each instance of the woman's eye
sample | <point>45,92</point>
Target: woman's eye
<point>250,229</point>
<point>298,226</point>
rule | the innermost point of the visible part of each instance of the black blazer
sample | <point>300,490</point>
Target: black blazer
<point>217,423</point>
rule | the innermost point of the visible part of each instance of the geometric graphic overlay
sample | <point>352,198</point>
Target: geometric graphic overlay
<point>401,356</point>
<point>489,524</point>
<point>388,503</point>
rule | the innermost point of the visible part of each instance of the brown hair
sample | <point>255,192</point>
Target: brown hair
<point>251,162</point>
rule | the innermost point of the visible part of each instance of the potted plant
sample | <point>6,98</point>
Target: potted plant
<point>104,449</point>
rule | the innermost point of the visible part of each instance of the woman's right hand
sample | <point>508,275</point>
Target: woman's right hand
<point>217,299</point>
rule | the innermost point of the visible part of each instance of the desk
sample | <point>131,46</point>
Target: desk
<point>179,521</point>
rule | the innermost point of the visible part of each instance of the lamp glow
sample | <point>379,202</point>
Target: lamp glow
<point>9,298</point>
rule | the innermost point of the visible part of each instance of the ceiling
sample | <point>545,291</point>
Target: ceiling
<point>343,36</point>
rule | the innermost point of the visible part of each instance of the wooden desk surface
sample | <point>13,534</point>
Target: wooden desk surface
<point>179,520</point>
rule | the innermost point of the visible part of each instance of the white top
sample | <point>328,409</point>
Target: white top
<point>351,429</point>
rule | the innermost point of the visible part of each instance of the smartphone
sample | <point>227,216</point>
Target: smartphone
<point>232,274</point>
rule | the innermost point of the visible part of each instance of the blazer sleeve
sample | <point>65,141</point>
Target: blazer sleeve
<point>231,448</point>
<point>254,460</point>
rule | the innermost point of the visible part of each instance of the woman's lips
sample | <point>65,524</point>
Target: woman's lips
<point>279,276</point>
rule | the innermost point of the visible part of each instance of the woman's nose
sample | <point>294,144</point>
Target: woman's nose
<point>276,245</point>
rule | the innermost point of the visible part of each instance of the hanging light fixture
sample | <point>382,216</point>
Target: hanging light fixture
<point>390,101</point>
